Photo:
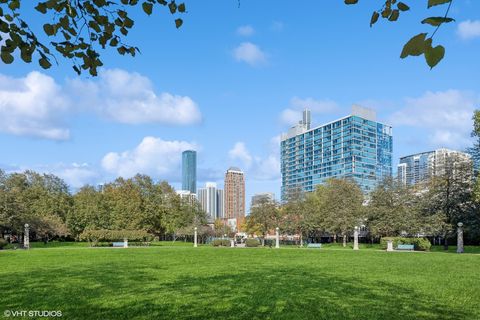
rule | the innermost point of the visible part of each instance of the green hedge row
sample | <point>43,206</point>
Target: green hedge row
<point>420,244</point>
<point>3,243</point>
<point>252,243</point>
<point>94,237</point>
<point>221,243</point>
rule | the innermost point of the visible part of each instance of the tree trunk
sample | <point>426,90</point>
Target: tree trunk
<point>301,239</point>
<point>445,243</point>
<point>335,238</point>
<point>263,240</point>
<point>344,240</point>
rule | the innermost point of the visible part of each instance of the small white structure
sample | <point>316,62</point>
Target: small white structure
<point>26,237</point>
<point>277,238</point>
<point>195,238</point>
<point>125,243</point>
<point>389,245</point>
<point>355,238</point>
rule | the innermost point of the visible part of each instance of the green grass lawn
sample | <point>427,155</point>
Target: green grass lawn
<point>223,283</point>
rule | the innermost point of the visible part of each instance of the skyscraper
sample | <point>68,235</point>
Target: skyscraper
<point>189,171</point>
<point>220,204</point>
<point>234,194</point>
<point>420,167</point>
<point>211,201</point>
<point>355,146</point>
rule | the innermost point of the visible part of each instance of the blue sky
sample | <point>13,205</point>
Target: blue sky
<point>229,82</point>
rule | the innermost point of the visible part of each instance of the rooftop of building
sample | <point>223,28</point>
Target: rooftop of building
<point>358,111</point>
<point>433,151</point>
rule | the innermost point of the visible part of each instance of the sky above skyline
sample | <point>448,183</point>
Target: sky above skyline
<point>229,82</point>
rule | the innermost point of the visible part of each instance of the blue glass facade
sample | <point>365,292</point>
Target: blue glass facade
<point>352,147</point>
<point>415,168</point>
<point>189,171</point>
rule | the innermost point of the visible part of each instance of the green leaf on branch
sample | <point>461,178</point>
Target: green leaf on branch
<point>14,4</point>
<point>6,57</point>
<point>44,63</point>
<point>436,21</point>
<point>41,7</point>
<point>147,7</point>
<point>178,23</point>
<point>49,30</point>
<point>434,55</point>
<point>402,6</point>
<point>415,46</point>
<point>394,16</point>
<point>432,3</point>
<point>374,18</point>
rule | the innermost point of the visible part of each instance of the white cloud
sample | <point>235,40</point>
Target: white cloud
<point>153,156</point>
<point>256,167</point>
<point>245,31</point>
<point>37,106</point>
<point>447,115</point>
<point>130,98</point>
<point>249,53</point>
<point>240,152</point>
<point>33,106</point>
<point>293,113</point>
<point>75,175</point>
<point>469,29</point>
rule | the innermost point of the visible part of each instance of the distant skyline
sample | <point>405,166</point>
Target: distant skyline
<point>229,82</point>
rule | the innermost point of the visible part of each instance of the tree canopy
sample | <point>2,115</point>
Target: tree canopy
<point>422,43</point>
<point>75,29</point>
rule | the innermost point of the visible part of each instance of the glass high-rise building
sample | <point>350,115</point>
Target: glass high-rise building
<point>420,167</point>
<point>356,147</point>
<point>189,171</point>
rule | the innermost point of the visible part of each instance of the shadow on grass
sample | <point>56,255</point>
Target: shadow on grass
<point>119,291</point>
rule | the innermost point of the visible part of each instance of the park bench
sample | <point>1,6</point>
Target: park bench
<point>118,244</point>
<point>410,247</point>
<point>314,245</point>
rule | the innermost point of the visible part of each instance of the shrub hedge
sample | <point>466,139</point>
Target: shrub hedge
<point>3,243</point>
<point>94,237</point>
<point>420,244</point>
<point>252,243</point>
<point>221,243</point>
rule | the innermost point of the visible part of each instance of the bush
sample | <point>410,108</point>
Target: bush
<point>221,243</point>
<point>94,237</point>
<point>420,244</point>
<point>3,243</point>
<point>252,243</point>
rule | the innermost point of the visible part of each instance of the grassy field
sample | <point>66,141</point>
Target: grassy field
<point>221,283</point>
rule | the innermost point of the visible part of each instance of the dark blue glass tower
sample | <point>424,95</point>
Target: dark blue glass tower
<point>189,171</point>
<point>355,146</point>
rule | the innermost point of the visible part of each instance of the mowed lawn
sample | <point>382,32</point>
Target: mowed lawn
<point>225,283</point>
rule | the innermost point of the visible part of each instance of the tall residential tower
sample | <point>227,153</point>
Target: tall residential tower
<point>234,194</point>
<point>355,146</point>
<point>189,171</point>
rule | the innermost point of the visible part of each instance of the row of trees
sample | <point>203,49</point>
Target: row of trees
<point>45,203</point>
<point>393,209</point>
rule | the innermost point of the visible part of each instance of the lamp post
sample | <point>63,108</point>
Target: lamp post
<point>26,237</point>
<point>460,238</point>
<point>277,238</point>
<point>195,238</point>
<point>355,238</point>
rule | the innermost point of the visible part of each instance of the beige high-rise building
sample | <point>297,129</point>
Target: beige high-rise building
<point>234,194</point>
